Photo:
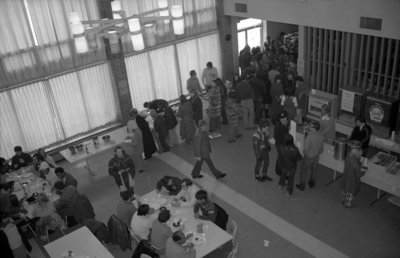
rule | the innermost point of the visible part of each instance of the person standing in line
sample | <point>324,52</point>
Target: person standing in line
<point>197,106</point>
<point>281,130</point>
<point>290,156</point>
<point>193,83</point>
<point>362,132</point>
<point>137,144</point>
<point>260,90</point>
<point>233,117</point>
<point>261,149</point>
<point>170,123</point>
<point>313,147</point>
<point>327,125</point>
<point>276,93</point>
<point>208,76</point>
<point>214,108</point>
<point>149,146</point>
<point>202,151</point>
<point>185,112</point>
<point>160,128</point>
<point>351,177</point>
<point>224,97</point>
<point>301,94</point>
<point>245,96</point>
<point>289,103</point>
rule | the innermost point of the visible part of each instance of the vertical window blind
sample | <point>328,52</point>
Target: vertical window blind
<point>334,59</point>
<point>52,111</point>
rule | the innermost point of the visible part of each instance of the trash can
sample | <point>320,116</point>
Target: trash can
<point>353,144</point>
<point>340,148</point>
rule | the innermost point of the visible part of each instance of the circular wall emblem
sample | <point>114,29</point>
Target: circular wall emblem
<point>376,113</point>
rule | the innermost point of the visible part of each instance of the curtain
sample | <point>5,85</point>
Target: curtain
<point>35,117</point>
<point>98,95</point>
<point>10,133</point>
<point>165,75</point>
<point>17,58</point>
<point>49,112</point>
<point>140,79</point>
<point>70,104</point>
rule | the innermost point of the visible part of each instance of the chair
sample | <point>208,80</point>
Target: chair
<point>61,228</point>
<point>134,237</point>
<point>232,229</point>
<point>234,252</point>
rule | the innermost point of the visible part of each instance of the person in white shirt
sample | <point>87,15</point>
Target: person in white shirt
<point>141,221</point>
<point>186,197</point>
<point>208,76</point>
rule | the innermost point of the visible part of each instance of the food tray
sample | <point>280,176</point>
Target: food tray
<point>385,160</point>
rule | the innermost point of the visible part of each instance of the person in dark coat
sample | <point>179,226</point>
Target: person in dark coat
<point>280,132</point>
<point>160,128</point>
<point>351,177</point>
<point>362,132</point>
<point>197,106</point>
<point>261,149</point>
<point>290,156</point>
<point>122,168</point>
<point>169,185</point>
<point>202,151</point>
<point>187,126</point>
<point>20,159</point>
<point>66,177</point>
<point>148,141</point>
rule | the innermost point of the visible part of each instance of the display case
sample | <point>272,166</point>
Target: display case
<point>316,99</point>
<point>381,114</point>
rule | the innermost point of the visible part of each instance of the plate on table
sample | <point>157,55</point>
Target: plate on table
<point>197,239</point>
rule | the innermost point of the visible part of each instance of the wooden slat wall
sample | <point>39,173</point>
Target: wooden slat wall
<point>334,59</point>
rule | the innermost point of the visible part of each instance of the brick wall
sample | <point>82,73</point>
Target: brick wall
<point>118,67</point>
<point>225,26</point>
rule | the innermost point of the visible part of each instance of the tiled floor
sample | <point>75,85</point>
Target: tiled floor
<point>364,231</point>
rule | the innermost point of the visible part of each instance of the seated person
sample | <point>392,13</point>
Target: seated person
<point>141,222</point>
<point>47,158</point>
<point>160,232</point>
<point>204,205</point>
<point>362,132</point>
<point>4,166</point>
<point>14,238</point>
<point>125,207</point>
<point>65,177</point>
<point>20,159</point>
<point>72,203</point>
<point>49,218</point>
<point>5,193</point>
<point>175,247</point>
<point>47,172</point>
<point>169,185</point>
<point>186,197</point>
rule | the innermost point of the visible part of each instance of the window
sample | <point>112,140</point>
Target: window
<point>249,32</point>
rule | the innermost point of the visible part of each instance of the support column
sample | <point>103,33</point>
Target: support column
<point>118,67</point>
<point>227,39</point>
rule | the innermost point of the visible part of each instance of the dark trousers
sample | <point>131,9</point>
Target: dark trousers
<point>289,173</point>
<point>257,108</point>
<point>264,161</point>
<point>309,166</point>
<point>199,163</point>
<point>223,113</point>
<point>163,142</point>
<point>278,167</point>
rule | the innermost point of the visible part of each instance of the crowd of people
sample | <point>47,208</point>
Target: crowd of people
<point>267,91</point>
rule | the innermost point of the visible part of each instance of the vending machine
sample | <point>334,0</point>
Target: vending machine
<point>316,99</point>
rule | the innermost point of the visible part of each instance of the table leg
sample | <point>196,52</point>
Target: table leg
<point>91,173</point>
<point>378,197</point>
<point>334,178</point>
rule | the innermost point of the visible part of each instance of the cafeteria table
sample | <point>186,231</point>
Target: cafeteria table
<point>213,237</point>
<point>81,242</point>
<point>117,137</point>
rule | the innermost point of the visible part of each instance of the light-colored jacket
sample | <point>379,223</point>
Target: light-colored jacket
<point>188,196</point>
